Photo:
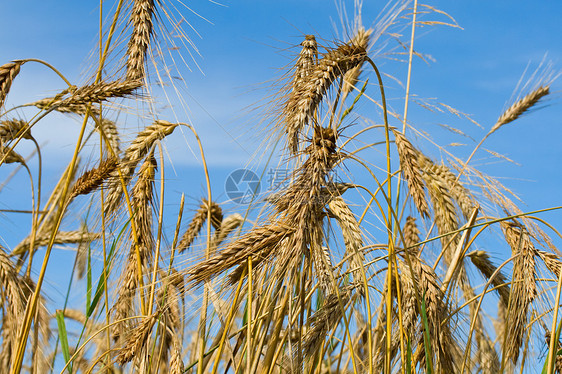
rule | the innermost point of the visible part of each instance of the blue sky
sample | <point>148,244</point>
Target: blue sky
<point>242,44</point>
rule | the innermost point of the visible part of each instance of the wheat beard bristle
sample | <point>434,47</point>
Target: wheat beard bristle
<point>523,289</point>
<point>142,19</point>
<point>304,99</point>
<point>8,73</point>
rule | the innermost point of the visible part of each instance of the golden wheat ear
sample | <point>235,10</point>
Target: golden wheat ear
<point>411,171</point>
<point>13,129</point>
<point>8,73</point>
<point>197,222</point>
<point>93,179</point>
<point>141,18</point>
<point>305,98</point>
<point>523,289</point>
<point>521,106</point>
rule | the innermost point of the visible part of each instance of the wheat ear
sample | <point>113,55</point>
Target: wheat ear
<point>110,135</point>
<point>92,179</point>
<point>14,128</point>
<point>142,20</point>
<point>523,289</point>
<point>132,155</point>
<point>138,339</point>
<point>409,156</point>
<point>306,61</point>
<point>9,156</point>
<point>481,260</point>
<point>62,237</point>
<point>325,319</point>
<point>8,73</point>
<point>197,223</point>
<point>520,107</point>
<point>254,243</point>
<point>307,95</point>
<point>351,77</point>
<point>351,232</point>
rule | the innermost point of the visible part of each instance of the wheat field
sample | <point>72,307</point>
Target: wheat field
<point>380,247</point>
